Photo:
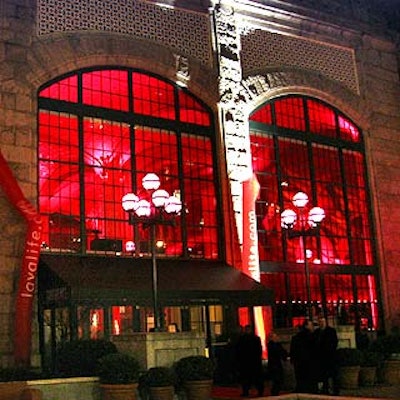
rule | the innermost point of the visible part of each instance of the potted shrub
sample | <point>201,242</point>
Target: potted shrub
<point>369,364</point>
<point>118,375</point>
<point>349,362</point>
<point>389,347</point>
<point>195,374</point>
<point>159,383</point>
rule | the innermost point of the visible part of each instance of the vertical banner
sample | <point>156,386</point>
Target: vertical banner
<point>251,262</point>
<point>250,256</point>
<point>30,260</point>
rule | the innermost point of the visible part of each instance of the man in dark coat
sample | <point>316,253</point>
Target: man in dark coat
<point>303,358</point>
<point>249,358</point>
<point>326,342</point>
<point>276,354</point>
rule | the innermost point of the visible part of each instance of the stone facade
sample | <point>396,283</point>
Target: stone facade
<point>35,48</point>
<point>160,348</point>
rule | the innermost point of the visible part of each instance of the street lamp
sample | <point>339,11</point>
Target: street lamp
<point>302,224</point>
<point>159,210</point>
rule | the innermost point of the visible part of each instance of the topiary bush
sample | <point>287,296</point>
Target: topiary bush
<point>118,368</point>
<point>79,357</point>
<point>348,357</point>
<point>387,345</point>
<point>158,377</point>
<point>194,368</point>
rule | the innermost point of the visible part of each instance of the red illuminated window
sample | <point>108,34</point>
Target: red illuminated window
<point>348,130</point>
<point>322,119</point>
<point>190,110</point>
<point>276,281</point>
<point>152,96</point>
<point>262,115</point>
<point>306,145</point>
<point>289,113</point>
<point>108,89</point>
<point>65,89</point>
<point>87,163</point>
<point>332,175</point>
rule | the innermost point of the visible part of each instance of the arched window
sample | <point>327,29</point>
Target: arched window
<point>302,144</point>
<point>100,132</point>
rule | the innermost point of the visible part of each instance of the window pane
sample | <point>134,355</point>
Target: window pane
<point>59,190</point>
<point>321,119</point>
<point>348,130</point>
<point>107,179</point>
<point>360,226</point>
<point>340,299</point>
<point>327,171</point>
<point>190,110</point>
<point>122,320</point>
<point>267,205</point>
<point>106,88</point>
<point>156,151</point>
<point>294,160</point>
<point>298,296</point>
<point>289,113</point>
<point>152,96</point>
<point>65,89</point>
<point>59,202</point>
<point>263,115</point>
<point>276,282</point>
<point>354,168</point>
<point>201,218</point>
<point>58,138</point>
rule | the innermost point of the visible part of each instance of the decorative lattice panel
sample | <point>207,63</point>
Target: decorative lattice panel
<point>185,31</point>
<point>262,49</point>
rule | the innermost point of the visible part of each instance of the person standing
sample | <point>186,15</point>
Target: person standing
<point>276,354</point>
<point>249,358</point>
<point>326,345</point>
<point>303,358</point>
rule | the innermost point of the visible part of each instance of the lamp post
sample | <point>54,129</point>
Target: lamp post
<point>302,224</point>
<point>159,210</point>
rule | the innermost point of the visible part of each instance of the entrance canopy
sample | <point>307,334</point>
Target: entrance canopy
<point>105,281</point>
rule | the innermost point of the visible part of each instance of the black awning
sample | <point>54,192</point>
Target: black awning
<point>123,280</point>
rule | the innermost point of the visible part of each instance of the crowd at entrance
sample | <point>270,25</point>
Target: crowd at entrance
<point>311,354</point>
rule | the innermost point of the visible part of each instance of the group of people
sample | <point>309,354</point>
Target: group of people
<point>312,354</point>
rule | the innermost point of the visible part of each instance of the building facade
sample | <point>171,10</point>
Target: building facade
<point>236,106</point>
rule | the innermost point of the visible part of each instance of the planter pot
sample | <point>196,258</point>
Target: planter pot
<point>119,392</point>
<point>367,376</point>
<point>11,390</point>
<point>31,394</point>
<point>391,372</point>
<point>198,390</point>
<point>348,377</point>
<point>162,393</point>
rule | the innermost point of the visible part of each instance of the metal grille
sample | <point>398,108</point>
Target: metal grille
<point>185,31</point>
<point>262,49</point>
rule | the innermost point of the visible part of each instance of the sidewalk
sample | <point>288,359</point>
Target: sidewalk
<point>379,391</point>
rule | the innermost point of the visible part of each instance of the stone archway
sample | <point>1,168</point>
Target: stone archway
<point>264,86</point>
<point>56,55</point>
